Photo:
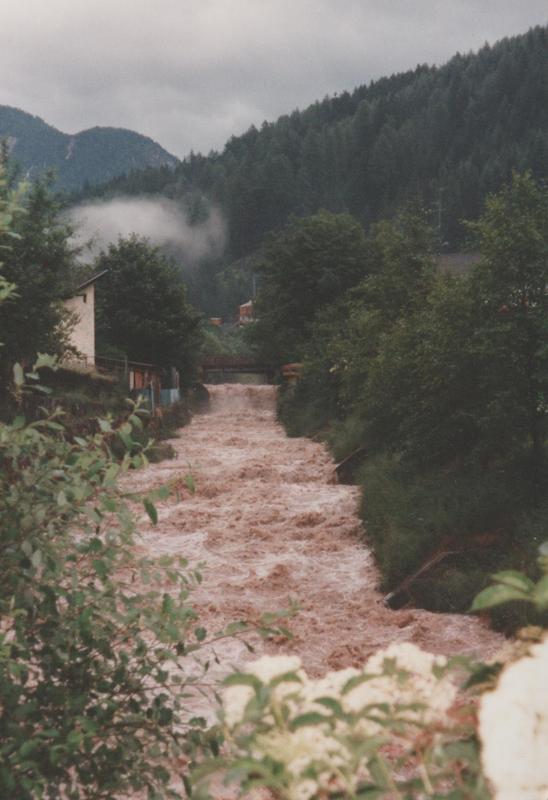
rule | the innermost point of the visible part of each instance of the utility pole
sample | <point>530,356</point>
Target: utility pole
<point>440,192</point>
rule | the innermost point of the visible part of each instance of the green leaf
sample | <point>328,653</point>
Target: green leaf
<point>356,680</point>
<point>189,483</point>
<point>370,793</point>
<point>485,673</point>
<point>54,426</point>
<point>236,627</point>
<point>540,593</point>
<point>378,772</point>
<point>100,568</point>
<point>188,785</point>
<point>136,421</point>
<point>26,547</point>
<point>465,751</point>
<point>28,748</point>
<point>111,473</point>
<point>242,679</point>
<point>287,677</point>
<point>151,510</point>
<point>110,504</point>
<point>46,360</point>
<point>200,634</point>
<point>515,579</point>
<point>310,718</point>
<point>330,703</point>
<point>496,595</point>
<point>126,439</point>
<point>18,375</point>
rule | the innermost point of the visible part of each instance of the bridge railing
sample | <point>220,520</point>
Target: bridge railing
<point>228,362</point>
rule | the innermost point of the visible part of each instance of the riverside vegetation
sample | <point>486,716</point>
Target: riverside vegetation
<point>434,383</point>
<point>97,662</point>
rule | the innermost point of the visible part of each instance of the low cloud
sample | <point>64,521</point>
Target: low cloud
<point>164,222</point>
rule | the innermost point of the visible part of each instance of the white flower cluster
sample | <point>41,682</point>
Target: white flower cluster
<point>412,680</point>
<point>266,669</point>
<point>320,756</point>
<point>513,727</point>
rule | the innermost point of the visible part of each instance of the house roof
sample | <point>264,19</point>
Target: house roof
<point>90,281</point>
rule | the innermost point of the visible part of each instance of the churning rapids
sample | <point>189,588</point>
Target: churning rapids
<point>271,523</point>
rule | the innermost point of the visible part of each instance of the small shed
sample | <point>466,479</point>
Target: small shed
<point>245,313</point>
<point>81,304</point>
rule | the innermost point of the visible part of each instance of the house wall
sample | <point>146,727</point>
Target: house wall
<point>82,336</point>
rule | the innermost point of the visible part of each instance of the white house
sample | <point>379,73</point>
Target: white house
<point>82,306</point>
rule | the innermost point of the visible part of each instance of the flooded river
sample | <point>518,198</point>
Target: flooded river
<point>271,523</point>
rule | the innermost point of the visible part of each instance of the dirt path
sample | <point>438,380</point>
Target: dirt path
<point>271,524</point>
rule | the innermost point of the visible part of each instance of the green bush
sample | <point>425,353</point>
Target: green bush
<point>94,641</point>
<point>304,407</point>
<point>409,515</point>
<point>80,642</point>
<point>437,384</point>
<point>219,341</point>
<point>346,436</point>
<point>99,647</point>
<point>162,427</point>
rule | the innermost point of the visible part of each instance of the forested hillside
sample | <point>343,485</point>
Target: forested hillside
<point>91,156</point>
<point>447,135</point>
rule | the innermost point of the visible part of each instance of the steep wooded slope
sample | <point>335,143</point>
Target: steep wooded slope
<point>447,135</point>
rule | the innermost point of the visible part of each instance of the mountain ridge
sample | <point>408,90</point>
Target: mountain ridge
<point>90,156</point>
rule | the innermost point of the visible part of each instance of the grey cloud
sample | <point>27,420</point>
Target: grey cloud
<point>190,73</point>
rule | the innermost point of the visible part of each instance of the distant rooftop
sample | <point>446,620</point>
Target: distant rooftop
<point>458,262</point>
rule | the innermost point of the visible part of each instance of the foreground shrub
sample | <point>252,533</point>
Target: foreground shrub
<point>399,727</point>
<point>391,729</point>
<point>85,656</point>
<point>97,645</point>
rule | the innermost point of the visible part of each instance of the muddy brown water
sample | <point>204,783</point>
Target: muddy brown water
<point>271,524</point>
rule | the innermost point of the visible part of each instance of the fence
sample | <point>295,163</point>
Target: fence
<point>144,380</point>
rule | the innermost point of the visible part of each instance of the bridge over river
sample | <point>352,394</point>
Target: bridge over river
<point>236,369</point>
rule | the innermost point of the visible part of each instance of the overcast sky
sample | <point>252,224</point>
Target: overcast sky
<point>190,73</point>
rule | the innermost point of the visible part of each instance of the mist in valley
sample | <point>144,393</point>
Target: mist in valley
<point>165,223</point>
